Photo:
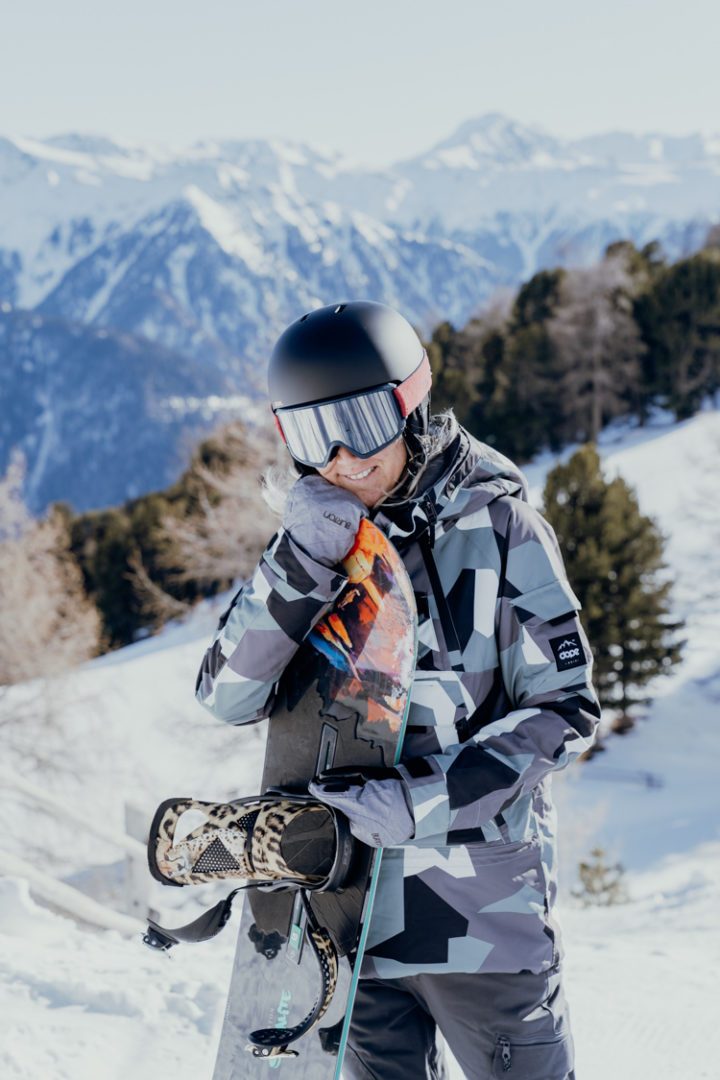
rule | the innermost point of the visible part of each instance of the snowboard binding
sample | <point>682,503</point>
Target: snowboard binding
<point>271,841</point>
<point>279,840</point>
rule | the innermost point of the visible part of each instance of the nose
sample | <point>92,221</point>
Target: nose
<point>345,456</point>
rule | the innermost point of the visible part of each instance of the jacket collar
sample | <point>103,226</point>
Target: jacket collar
<point>466,476</point>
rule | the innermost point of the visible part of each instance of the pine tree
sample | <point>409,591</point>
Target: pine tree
<point>537,299</point>
<point>526,407</point>
<point>614,559</point>
<point>457,363</point>
<point>519,406</point>
<point>481,419</point>
<point>680,321</point>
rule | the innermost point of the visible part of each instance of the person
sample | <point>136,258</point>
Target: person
<point>463,935</point>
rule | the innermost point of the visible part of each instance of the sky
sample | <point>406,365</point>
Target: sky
<point>379,80</point>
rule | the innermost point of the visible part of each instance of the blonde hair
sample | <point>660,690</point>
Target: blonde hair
<point>277,480</point>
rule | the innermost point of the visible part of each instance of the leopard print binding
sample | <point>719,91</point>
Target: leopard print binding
<point>240,839</point>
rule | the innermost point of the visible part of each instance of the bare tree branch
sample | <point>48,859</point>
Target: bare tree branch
<point>598,342</point>
<point>47,623</point>
<point>223,537</point>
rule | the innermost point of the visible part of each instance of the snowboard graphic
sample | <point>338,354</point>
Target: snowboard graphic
<point>342,702</point>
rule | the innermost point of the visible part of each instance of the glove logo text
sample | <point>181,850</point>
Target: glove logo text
<point>338,520</point>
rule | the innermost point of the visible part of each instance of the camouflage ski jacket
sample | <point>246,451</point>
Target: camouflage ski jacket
<point>501,698</point>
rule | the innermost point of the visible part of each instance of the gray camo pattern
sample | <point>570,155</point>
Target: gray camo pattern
<point>491,715</point>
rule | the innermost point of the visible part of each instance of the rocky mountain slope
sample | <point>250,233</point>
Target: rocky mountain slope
<point>208,251</point>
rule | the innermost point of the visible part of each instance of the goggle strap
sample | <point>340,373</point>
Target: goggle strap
<point>278,425</point>
<point>415,388</point>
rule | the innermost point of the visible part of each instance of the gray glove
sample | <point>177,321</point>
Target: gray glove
<point>323,518</point>
<point>378,811</point>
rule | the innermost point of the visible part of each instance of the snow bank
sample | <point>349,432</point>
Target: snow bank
<point>93,1006</point>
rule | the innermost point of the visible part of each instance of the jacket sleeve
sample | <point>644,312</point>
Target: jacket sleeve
<point>261,630</point>
<point>545,663</point>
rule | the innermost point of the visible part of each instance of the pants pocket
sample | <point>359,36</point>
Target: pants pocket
<point>549,1057</point>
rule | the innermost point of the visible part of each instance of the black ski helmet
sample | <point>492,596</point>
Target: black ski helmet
<point>343,349</point>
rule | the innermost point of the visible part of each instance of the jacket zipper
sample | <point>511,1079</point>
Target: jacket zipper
<point>465,727</point>
<point>505,1053</point>
<point>426,542</point>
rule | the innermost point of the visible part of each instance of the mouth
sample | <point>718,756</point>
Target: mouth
<point>358,476</point>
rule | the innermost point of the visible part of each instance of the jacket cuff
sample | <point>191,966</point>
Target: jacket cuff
<point>426,786</point>
<point>301,575</point>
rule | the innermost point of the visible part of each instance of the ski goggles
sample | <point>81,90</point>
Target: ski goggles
<point>364,423</point>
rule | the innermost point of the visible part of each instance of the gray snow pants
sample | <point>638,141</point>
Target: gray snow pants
<point>510,1026</point>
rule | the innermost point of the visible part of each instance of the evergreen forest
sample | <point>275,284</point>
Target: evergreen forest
<point>575,349</point>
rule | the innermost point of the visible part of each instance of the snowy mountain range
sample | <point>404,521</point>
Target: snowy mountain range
<point>208,251</point>
<point>102,415</point>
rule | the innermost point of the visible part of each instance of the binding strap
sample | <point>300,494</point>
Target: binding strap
<point>266,1042</point>
<point>273,1042</point>
<point>203,928</point>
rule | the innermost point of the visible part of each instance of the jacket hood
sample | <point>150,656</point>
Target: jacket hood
<point>461,480</point>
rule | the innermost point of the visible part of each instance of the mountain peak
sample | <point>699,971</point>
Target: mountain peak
<point>87,142</point>
<point>492,136</point>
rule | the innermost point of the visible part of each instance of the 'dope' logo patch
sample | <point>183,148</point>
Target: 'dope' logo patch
<point>568,651</point>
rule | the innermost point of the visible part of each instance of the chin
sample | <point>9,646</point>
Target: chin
<point>368,497</point>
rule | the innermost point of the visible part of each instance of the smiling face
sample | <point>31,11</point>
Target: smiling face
<point>368,478</point>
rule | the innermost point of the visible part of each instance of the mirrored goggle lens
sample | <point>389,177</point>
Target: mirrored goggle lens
<point>364,424</point>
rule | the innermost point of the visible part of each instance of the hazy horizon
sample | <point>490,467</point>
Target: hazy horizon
<point>378,84</point>
<point>176,144</point>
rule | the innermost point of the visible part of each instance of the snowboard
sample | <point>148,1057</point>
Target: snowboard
<point>342,702</point>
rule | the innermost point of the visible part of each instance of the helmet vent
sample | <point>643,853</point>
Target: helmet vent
<point>305,316</point>
<point>339,309</point>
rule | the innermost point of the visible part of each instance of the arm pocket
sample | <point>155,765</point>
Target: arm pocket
<point>548,603</point>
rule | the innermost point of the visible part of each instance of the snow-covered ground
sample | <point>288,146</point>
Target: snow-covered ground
<point>80,1003</point>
